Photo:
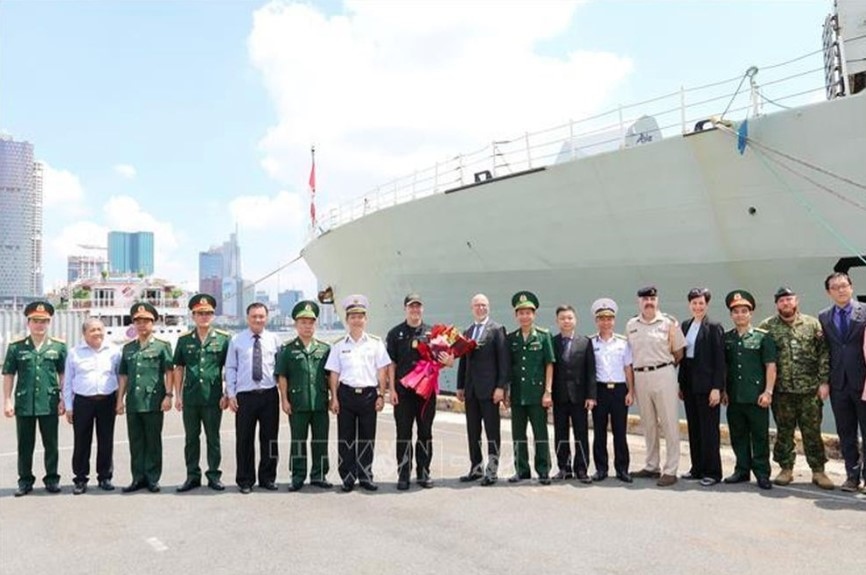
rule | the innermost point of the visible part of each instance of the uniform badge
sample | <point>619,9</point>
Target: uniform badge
<point>414,344</point>
<point>308,307</point>
<point>522,298</point>
<point>202,301</point>
<point>738,296</point>
<point>140,309</point>
<point>40,307</point>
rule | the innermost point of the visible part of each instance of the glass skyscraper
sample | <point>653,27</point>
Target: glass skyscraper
<point>20,220</point>
<point>130,253</point>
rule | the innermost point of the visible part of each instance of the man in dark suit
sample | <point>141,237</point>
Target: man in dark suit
<point>702,381</point>
<point>482,380</point>
<point>843,325</point>
<point>574,394</point>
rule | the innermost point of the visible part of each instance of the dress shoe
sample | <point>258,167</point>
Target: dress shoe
<point>245,489</point>
<point>23,490</point>
<point>691,476</point>
<point>785,477</point>
<point>295,487</point>
<point>134,486</point>
<point>425,482</point>
<point>368,486</point>
<point>765,483</point>
<point>544,479</point>
<point>403,485</point>
<point>625,477</point>
<point>709,481</point>
<point>269,485</point>
<point>583,477</point>
<point>153,487</point>
<point>488,480</point>
<point>599,476</point>
<point>322,484</point>
<point>79,488</point>
<point>562,475</point>
<point>104,484</point>
<point>517,478</point>
<point>646,474</point>
<point>850,485</point>
<point>737,477</point>
<point>347,486</point>
<point>666,480</point>
<point>216,485</point>
<point>469,477</point>
<point>820,479</point>
<point>52,488</point>
<point>189,485</point>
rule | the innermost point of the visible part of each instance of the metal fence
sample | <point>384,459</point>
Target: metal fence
<point>65,325</point>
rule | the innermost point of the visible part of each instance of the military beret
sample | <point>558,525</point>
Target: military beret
<point>39,310</point>
<point>412,298</point>
<point>740,298</point>
<point>355,303</point>
<point>604,307</point>
<point>202,302</point>
<point>783,291</point>
<point>648,291</point>
<point>143,309</point>
<point>524,299</point>
<point>305,308</point>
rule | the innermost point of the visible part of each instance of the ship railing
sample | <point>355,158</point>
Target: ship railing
<point>793,83</point>
<point>84,304</point>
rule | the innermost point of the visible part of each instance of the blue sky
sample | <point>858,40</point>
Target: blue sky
<point>188,118</point>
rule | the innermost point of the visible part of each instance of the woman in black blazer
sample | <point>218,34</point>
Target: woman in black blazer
<point>702,381</point>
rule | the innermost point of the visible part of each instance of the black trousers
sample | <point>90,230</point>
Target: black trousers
<point>484,411</point>
<point>571,416</point>
<point>850,413</point>
<point>356,432</point>
<point>703,423</point>
<point>610,407</point>
<point>262,408</point>
<point>414,409</point>
<point>87,411</point>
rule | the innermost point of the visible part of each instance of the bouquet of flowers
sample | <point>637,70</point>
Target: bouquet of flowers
<point>424,379</point>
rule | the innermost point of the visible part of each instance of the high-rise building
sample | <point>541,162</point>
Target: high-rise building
<point>219,271</point>
<point>130,252</point>
<point>214,287</point>
<point>84,267</point>
<point>20,220</point>
<point>287,299</point>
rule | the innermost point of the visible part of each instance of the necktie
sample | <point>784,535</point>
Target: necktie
<point>257,358</point>
<point>477,333</point>
<point>566,345</point>
<point>843,322</point>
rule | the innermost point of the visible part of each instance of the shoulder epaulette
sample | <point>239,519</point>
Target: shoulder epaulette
<point>670,317</point>
<point>223,332</point>
<point>57,339</point>
<point>542,329</point>
<point>186,333</point>
<point>759,330</point>
<point>593,335</point>
<point>19,340</point>
<point>376,337</point>
<point>620,336</point>
<point>323,342</point>
<point>159,339</point>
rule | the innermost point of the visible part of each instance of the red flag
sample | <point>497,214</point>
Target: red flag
<point>312,184</point>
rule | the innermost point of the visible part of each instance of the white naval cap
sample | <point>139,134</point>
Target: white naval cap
<point>355,303</point>
<point>604,307</point>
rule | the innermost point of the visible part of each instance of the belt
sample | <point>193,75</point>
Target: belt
<point>96,397</point>
<point>611,384</point>
<point>357,390</point>
<point>258,391</point>
<point>653,367</point>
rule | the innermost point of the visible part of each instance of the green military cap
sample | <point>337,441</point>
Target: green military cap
<point>524,299</point>
<point>305,308</point>
<point>783,291</point>
<point>738,298</point>
<point>143,309</point>
<point>39,310</point>
<point>202,302</point>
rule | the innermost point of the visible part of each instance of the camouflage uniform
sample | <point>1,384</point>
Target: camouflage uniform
<point>803,364</point>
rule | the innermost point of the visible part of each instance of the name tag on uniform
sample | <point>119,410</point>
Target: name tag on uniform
<point>535,346</point>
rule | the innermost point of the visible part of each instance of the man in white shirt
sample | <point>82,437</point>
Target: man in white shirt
<point>358,366</point>
<point>90,396</point>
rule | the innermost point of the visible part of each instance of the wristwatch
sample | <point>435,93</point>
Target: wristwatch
<point>169,395</point>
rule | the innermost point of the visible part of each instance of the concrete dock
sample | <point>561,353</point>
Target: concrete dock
<point>607,527</point>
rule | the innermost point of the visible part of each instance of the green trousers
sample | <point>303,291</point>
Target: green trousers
<point>196,417</point>
<point>803,410</point>
<point>26,428</point>
<point>145,446</point>
<point>536,415</point>
<point>316,423</point>
<point>749,427</point>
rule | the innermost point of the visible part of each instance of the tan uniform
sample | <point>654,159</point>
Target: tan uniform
<point>655,383</point>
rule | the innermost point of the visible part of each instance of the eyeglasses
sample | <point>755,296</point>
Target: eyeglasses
<point>839,287</point>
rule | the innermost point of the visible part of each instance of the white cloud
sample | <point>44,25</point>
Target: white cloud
<point>60,188</point>
<point>127,171</point>
<point>385,88</point>
<point>284,211</point>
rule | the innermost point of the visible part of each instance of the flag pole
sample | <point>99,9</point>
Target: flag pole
<point>312,184</point>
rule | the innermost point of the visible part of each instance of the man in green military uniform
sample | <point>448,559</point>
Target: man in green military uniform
<point>198,386</point>
<point>531,386</point>
<point>38,361</point>
<point>303,386</point>
<point>801,386</point>
<point>145,366</point>
<point>750,355</point>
